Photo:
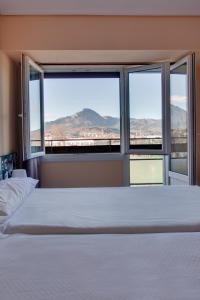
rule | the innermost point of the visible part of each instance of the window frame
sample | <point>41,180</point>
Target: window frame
<point>27,62</point>
<point>124,153</point>
<point>149,159</point>
<point>189,179</point>
<point>165,151</point>
<point>165,109</point>
<point>50,69</point>
<point>124,116</point>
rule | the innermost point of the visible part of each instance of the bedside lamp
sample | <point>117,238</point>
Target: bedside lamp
<point>19,173</point>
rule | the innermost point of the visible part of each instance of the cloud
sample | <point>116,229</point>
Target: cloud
<point>179,99</point>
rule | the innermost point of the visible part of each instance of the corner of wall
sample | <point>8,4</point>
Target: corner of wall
<point>8,104</point>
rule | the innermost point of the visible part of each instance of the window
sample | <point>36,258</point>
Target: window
<point>35,111</point>
<point>145,109</point>
<point>82,112</point>
<point>179,126</point>
<point>146,125</point>
<point>124,110</point>
<point>182,127</point>
<point>146,170</point>
<point>33,122</point>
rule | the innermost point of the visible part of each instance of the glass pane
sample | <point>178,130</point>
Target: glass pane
<point>146,169</point>
<point>35,110</point>
<point>82,114</point>
<point>179,114</point>
<point>145,105</point>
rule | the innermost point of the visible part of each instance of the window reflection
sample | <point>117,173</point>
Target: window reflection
<point>179,115</point>
<point>35,110</point>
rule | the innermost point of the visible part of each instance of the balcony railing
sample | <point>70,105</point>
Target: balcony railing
<point>81,142</point>
<point>75,145</point>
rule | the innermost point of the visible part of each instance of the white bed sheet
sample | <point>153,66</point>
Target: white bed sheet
<point>108,210</point>
<point>100,267</point>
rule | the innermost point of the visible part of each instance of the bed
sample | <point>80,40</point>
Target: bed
<point>97,210</point>
<point>107,210</point>
<point>100,267</point>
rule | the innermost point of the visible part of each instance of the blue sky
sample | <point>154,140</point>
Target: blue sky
<point>34,96</point>
<point>65,97</point>
<point>145,95</point>
<point>179,90</point>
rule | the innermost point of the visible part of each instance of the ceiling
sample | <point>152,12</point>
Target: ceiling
<point>99,56</point>
<point>101,7</point>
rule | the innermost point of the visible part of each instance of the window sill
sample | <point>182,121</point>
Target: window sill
<point>82,157</point>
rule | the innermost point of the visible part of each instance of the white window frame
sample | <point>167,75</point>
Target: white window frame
<point>124,116</point>
<point>26,139</point>
<point>190,179</point>
<point>165,109</point>
<point>165,69</point>
<point>98,69</point>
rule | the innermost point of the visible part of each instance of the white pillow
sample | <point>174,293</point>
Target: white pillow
<point>24,185</point>
<point>13,191</point>
<point>9,201</point>
<point>2,219</point>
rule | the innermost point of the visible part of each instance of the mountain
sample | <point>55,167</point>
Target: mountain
<point>86,118</point>
<point>144,127</point>
<point>178,118</point>
<point>89,124</point>
<point>84,124</point>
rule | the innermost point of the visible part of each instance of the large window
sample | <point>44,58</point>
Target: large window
<point>143,114</point>
<point>82,112</point>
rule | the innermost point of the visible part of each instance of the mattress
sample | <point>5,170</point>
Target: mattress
<point>100,267</point>
<point>108,210</point>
